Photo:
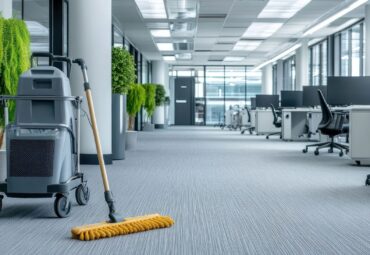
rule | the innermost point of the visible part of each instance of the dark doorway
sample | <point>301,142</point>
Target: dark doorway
<point>184,100</point>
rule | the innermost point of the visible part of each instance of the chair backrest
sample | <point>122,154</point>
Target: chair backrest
<point>276,118</point>
<point>327,116</point>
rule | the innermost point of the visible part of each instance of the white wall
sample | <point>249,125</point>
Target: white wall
<point>90,31</point>
<point>6,8</point>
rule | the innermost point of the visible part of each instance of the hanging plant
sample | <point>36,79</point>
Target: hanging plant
<point>123,71</point>
<point>149,106</point>
<point>15,44</point>
<point>135,99</point>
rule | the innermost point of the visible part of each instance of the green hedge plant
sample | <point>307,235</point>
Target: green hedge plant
<point>14,59</point>
<point>135,100</point>
<point>160,95</point>
<point>149,106</point>
<point>123,71</point>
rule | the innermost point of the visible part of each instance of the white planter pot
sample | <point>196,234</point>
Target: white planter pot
<point>159,117</point>
<point>131,140</point>
<point>3,169</point>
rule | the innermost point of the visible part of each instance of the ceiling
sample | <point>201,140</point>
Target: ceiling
<point>211,28</point>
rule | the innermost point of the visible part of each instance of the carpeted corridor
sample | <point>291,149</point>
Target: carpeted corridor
<point>228,194</point>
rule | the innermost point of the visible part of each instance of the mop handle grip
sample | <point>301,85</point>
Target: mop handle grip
<point>81,63</point>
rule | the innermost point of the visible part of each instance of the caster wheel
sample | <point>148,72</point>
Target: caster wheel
<point>341,154</point>
<point>62,206</point>
<point>267,137</point>
<point>316,152</point>
<point>367,182</point>
<point>330,151</point>
<point>82,194</point>
<point>304,150</point>
<point>242,132</point>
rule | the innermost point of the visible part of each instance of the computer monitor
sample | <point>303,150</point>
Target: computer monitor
<point>311,96</point>
<point>265,101</point>
<point>253,103</point>
<point>291,98</point>
<point>348,91</point>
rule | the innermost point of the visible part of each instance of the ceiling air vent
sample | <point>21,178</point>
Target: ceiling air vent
<point>212,16</point>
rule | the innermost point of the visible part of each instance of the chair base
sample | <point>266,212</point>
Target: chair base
<point>331,145</point>
<point>250,129</point>
<point>277,133</point>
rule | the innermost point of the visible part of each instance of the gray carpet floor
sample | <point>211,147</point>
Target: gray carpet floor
<point>229,194</point>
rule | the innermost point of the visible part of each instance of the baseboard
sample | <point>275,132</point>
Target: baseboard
<point>92,159</point>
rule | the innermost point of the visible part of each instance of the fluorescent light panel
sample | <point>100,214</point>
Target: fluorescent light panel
<point>183,56</point>
<point>152,9</point>
<point>169,58</point>
<point>262,29</point>
<point>233,59</point>
<point>280,56</point>
<point>165,46</point>
<point>161,33</point>
<point>334,17</point>
<point>247,45</point>
<point>284,9</point>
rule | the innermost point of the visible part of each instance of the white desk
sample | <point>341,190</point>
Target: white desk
<point>359,134</point>
<point>264,122</point>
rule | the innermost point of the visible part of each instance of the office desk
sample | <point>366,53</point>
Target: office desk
<point>253,118</point>
<point>299,121</point>
<point>264,122</point>
<point>359,134</point>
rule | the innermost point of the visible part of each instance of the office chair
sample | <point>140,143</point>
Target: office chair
<point>249,127</point>
<point>277,122</point>
<point>332,124</point>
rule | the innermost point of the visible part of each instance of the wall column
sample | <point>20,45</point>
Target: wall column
<point>6,8</point>
<point>302,65</point>
<point>267,79</point>
<point>160,76</point>
<point>367,38</point>
<point>90,24</point>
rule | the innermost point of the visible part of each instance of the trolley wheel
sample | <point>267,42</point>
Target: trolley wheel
<point>304,151</point>
<point>62,206</point>
<point>316,152</point>
<point>367,182</point>
<point>82,194</point>
<point>341,154</point>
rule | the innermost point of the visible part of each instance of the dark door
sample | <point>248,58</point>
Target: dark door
<point>184,100</point>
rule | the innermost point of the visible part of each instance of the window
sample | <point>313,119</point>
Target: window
<point>117,38</point>
<point>318,71</point>
<point>351,48</point>
<point>289,73</point>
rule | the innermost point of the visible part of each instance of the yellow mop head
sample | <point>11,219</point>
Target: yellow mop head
<point>128,226</point>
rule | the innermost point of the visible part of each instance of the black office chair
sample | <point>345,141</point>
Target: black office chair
<point>332,125</point>
<point>248,128</point>
<point>277,122</point>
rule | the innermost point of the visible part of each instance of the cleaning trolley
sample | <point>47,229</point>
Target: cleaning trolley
<point>42,143</point>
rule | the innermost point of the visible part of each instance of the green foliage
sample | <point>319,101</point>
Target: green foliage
<point>123,71</point>
<point>135,99</point>
<point>16,57</point>
<point>150,92</point>
<point>160,95</point>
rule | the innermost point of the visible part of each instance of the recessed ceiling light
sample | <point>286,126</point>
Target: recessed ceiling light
<point>233,59</point>
<point>247,45</point>
<point>336,16</point>
<point>165,46</point>
<point>284,9</point>
<point>169,58</point>
<point>262,29</point>
<point>183,56</point>
<point>152,9</point>
<point>161,33</point>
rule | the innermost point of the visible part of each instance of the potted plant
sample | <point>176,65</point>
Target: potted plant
<point>149,106</point>
<point>123,75</point>
<point>159,114</point>
<point>14,60</point>
<point>135,100</point>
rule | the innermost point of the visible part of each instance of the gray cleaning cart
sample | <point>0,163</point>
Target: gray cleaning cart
<point>42,142</point>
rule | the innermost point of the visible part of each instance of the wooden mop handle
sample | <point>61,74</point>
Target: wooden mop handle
<point>90,103</point>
